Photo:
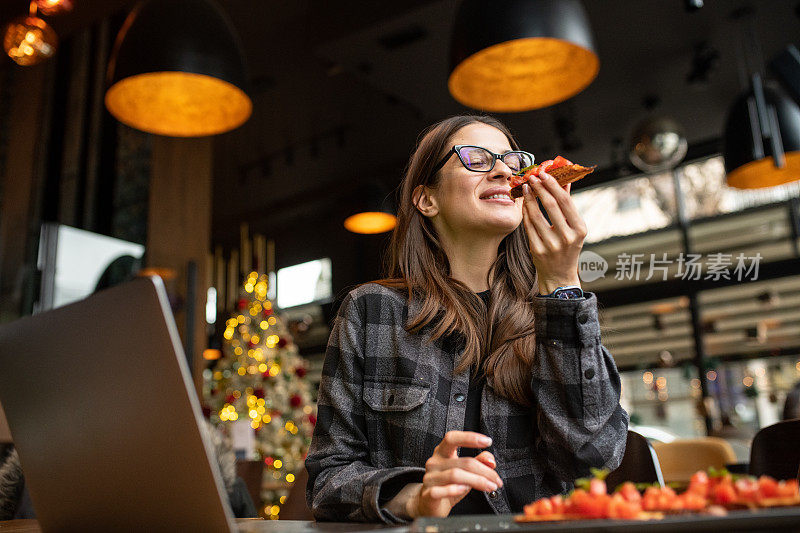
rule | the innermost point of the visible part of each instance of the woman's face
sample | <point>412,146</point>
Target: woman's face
<point>467,202</point>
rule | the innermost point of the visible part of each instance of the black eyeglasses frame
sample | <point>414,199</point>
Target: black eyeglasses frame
<point>456,148</point>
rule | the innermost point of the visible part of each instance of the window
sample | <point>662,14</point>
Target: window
<point>628,206</point>
<point>706,193</point>
<point>72,262</point>
<point>304,283</point>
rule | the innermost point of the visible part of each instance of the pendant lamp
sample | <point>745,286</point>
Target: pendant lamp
<point>177,69</point>
<point>518,55</point>
<point>375,214</point>
<point>762,138</point>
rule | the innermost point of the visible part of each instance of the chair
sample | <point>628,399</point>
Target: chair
<point>295,507</point>
<point>252,472</point>
<point>776,451</point>
<point>681,458</point>
<point>639,464</point>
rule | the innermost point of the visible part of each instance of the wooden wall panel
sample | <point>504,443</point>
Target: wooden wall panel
<point>179,225</point>
<point>21,185</point>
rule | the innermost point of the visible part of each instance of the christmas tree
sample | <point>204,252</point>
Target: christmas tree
<point>261,378</point>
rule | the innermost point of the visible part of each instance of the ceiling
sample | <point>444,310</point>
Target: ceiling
<point>342,89</point>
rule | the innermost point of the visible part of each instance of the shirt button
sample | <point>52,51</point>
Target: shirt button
<point>588,373</point>
<point>493,494</point>
<point>583,319</point>
<point>459,397</point>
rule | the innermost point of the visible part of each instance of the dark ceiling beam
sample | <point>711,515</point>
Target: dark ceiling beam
<point>333,20</point>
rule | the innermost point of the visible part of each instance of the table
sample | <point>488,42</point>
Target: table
<point>248,526</point>
<point>765,520</point>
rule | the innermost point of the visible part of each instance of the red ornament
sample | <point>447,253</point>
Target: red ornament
<point>268,461</point>
<point>282,342</point>
<point>259,393</point>
<point>251,344</point>
<point>242,303</point>
<point>267,312</point>
<point>265,375</point>
<point>230,398</point>
<point>300,371</point>
<point>312,419</point>
<point>295,400</point>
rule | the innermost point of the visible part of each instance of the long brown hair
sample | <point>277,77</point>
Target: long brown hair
<point>417,264</point>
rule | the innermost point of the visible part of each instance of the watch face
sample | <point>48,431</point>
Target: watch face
<point>569,294</point>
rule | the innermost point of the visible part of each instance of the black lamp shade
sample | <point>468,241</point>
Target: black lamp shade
<point>749,164</point>
<point>517,55</point>
<point>178,69</point>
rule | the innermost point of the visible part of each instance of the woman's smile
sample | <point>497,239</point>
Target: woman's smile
<point>498,195</point>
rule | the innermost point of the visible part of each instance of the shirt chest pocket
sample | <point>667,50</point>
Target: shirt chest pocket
<point>396,420</point>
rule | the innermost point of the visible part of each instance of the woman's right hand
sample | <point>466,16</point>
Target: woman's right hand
<point>448,477</point>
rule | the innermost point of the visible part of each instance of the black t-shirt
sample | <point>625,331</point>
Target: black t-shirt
<point>474,502</point>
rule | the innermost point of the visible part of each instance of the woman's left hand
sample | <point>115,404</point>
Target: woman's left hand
<point>555,248</point>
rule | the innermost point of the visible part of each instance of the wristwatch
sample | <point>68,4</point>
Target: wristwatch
<point>567,292</point>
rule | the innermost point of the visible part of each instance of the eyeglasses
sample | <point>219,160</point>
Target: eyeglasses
<point>479,159</point>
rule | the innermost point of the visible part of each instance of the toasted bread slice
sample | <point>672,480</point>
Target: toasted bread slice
<point>563,175</point>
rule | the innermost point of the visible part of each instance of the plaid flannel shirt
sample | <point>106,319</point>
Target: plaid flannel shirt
<point>387,397</point>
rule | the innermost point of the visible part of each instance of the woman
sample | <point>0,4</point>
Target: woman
<point>463,384</point>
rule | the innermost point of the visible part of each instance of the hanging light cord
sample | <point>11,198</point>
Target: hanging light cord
<point>763,116</point>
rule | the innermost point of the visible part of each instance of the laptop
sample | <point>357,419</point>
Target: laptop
<point>105,418</point>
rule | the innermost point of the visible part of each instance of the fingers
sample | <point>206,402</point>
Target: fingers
<point>448,491</point>
<point>456,439</point>
<point>539,230</point>
<point>487,458</point>
<point>564,201</point>
<point>458,476</point>
<point>471,464</point>
<point>551,194</point>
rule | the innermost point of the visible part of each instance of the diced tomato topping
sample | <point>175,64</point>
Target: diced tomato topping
<point>723,494</point>
<point>558,504</point>
<point>559,162</point>
<point>630,492</point>
<point>767,487</point>
<point>619,507</point>
<point>545,506</point>
<point>586,505</point>
<point>746,489</point>
<point>544,166</point>
<point>597,487</point>
<point>692,501</point>
<point>788,489</point>
<point>699,484</point>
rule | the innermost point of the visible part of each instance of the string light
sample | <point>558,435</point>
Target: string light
<point>29,40</point>
<point>54,7</point>
<point>254,354</point>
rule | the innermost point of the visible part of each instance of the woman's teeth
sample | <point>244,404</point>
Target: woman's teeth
<point>503,196</point>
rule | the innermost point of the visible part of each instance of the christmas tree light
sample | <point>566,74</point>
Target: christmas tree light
<point>261,379</point>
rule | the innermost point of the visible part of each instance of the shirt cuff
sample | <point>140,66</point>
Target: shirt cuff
<point>385,486</point>
<point>573,322</point>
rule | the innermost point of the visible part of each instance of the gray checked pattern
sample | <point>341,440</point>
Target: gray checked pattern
<point>387,398</point>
